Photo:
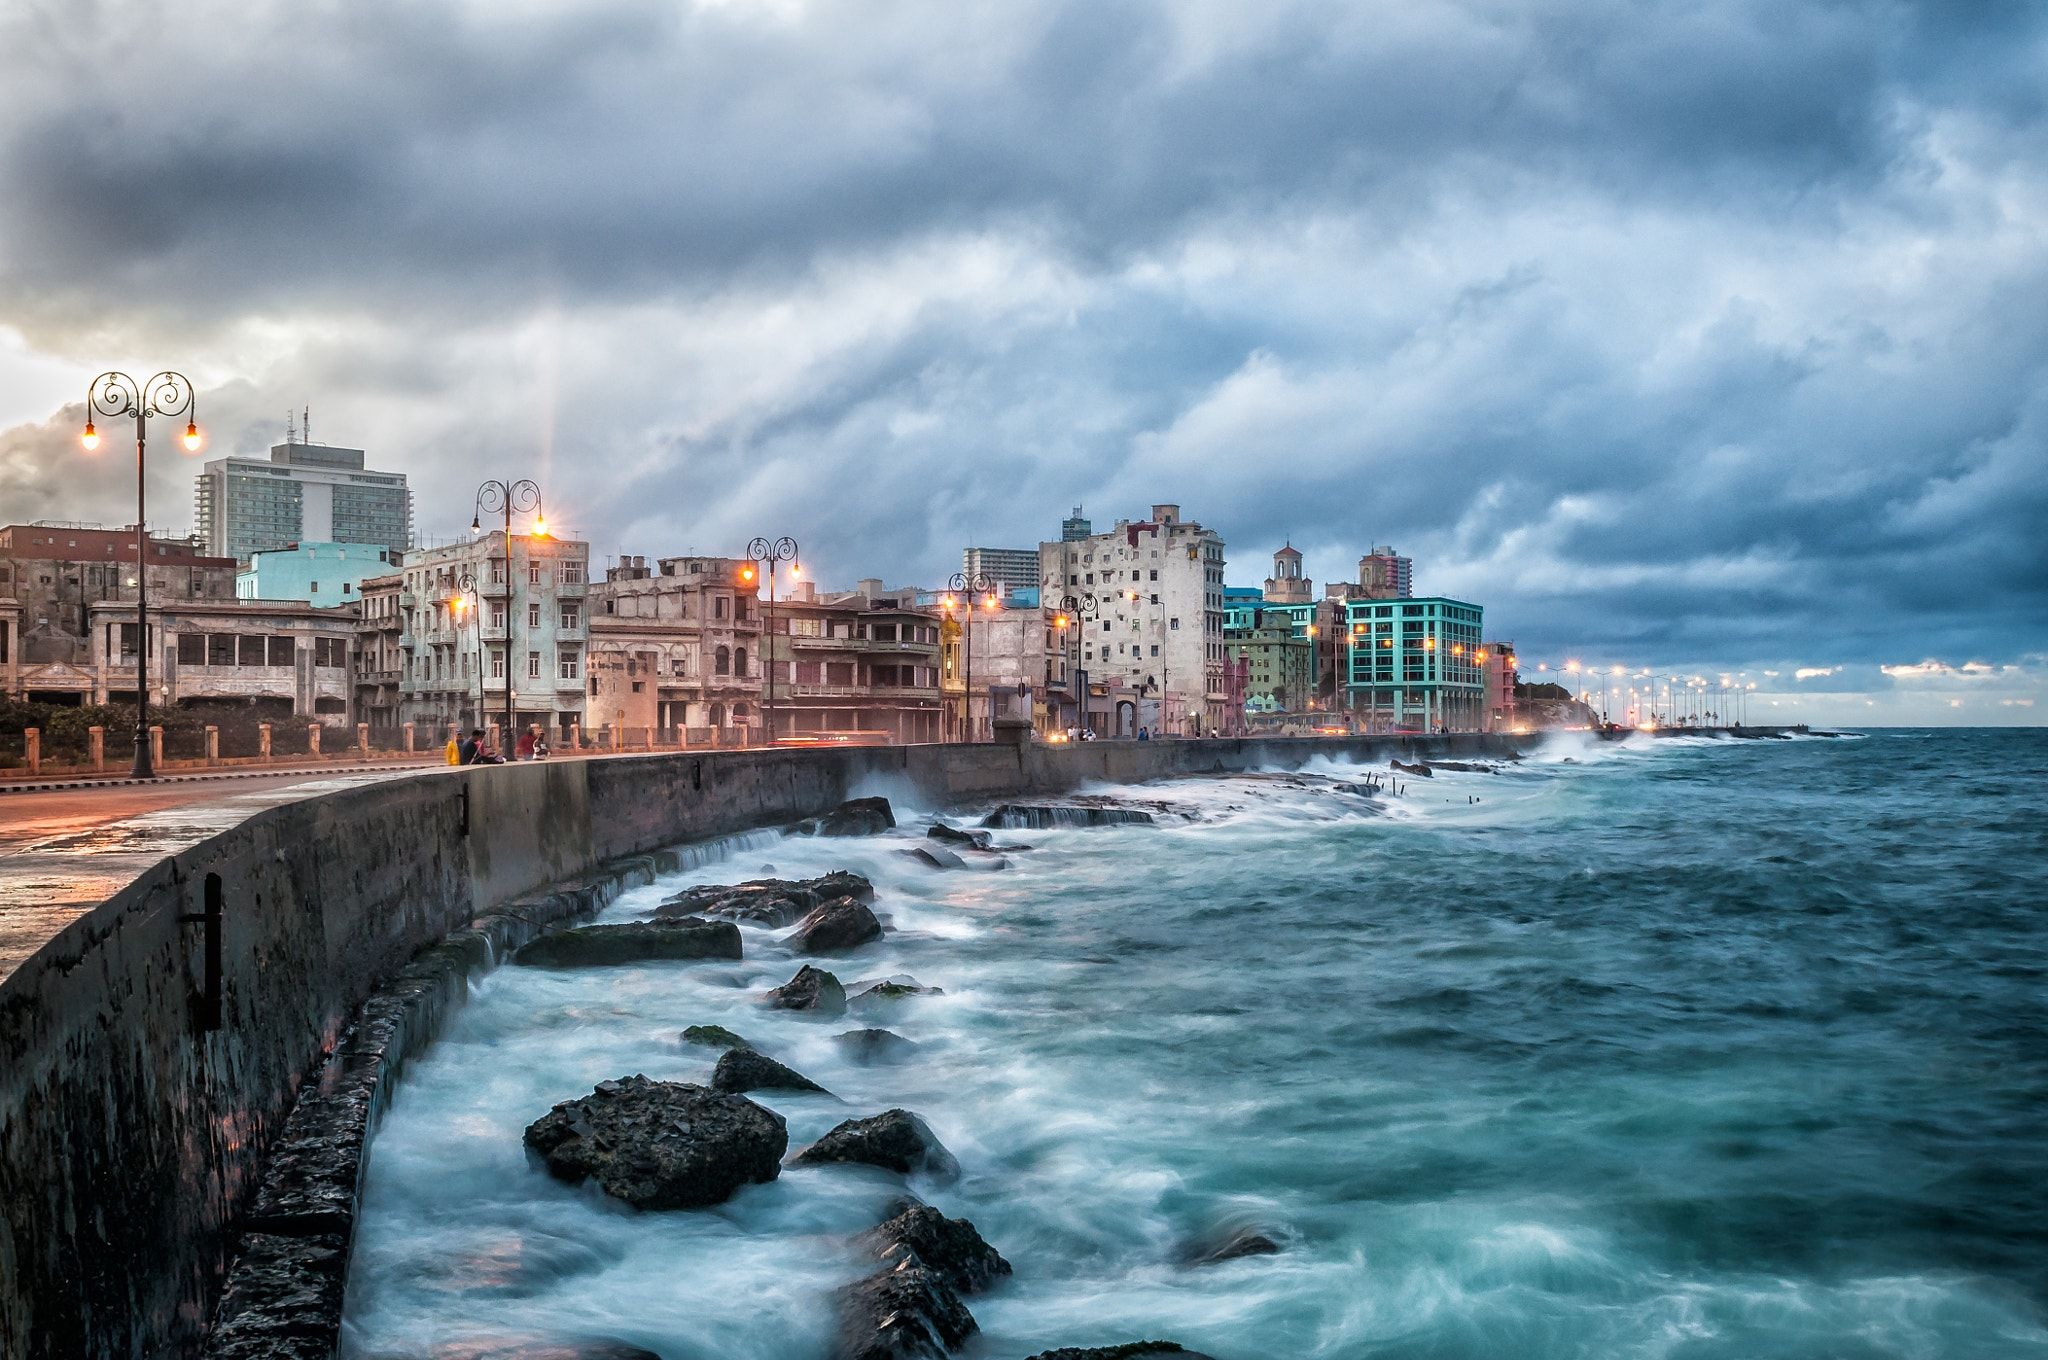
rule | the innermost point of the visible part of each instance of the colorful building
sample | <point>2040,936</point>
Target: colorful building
<point>1278,657</point>
<point>324,574</point>
<point>1415,663</point>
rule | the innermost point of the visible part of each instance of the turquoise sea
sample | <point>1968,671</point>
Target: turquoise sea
<point>1680,1049</point>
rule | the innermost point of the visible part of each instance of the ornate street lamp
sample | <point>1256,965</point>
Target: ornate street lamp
<point>974,586</point>
<point>465,601</point>
<point>494,497</point>
<point>113,395</point>
<point>767,556</point>
<point>1066,617</point>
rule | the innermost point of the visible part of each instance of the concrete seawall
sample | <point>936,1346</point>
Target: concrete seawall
<point>150,1053</point>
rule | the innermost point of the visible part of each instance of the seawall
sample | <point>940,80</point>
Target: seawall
<point>151,1052</point>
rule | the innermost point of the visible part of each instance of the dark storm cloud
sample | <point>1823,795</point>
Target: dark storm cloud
<point>1711,330</point>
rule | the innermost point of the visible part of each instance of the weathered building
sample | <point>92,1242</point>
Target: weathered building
<point>676,649</point>
<point>863,665</point>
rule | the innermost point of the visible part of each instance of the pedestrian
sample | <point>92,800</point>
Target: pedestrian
<point>452,752</point>
<point>526,744</point>
<point>1144,734</point>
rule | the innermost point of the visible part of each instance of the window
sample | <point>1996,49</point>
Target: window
<point>191,649</point>
<point>252,650</point>
<point>344,587</point>
<point>330,652</point>
<point>314,586</point>
<point>722,661</point>
<point>570,666</point>
<point>497,614</point>
<point>497,664</point>
<point>282,651</point>
<point>1173,624</point>
<point>1155,649</point>
<point>572,618</point>
<point>533,573</point>
<point>739,661</point>
<point>220,649</point>
<point>533,616</point>
<point>718,607</point>
<point>571,572</point>
<point>533,665</point>
<point>1155,573</point>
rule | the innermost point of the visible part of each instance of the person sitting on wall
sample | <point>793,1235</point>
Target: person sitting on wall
<point>475,752</point>
<point>525,747</point>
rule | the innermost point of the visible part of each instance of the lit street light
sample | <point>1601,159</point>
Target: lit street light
<point>768,554</point>
<point>114,395</point>
<point>492,498</point>
<point>973,587</point>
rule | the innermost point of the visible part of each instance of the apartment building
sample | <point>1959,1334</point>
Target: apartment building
<point>863,665</point>
<point>676,650</point>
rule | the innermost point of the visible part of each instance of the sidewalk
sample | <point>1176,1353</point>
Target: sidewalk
<point>104,781</point>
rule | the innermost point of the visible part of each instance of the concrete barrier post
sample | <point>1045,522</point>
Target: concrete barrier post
<point>491,737</point>
<point>98,737</point>
<point>575,736</point>
<point>312,739</point>
<point>363,740</point>
<point>408,738</point>
<point>611,736</point>
<point>212,744</point>
<point>32,748</point>
<point>649,734</point>
<point>156,744</point>
<point>263,740</point>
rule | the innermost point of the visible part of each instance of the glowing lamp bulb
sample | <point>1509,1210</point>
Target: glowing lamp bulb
<point>91,437</point>
<point>796,569</point>
<point>746,573</point>
<point>191,437</point>
<point>540,526</point>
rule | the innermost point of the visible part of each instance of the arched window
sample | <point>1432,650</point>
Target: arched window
<point>739,661</point>
<point>717,714</point>
<point>722,663</point>
<point>739,712</point>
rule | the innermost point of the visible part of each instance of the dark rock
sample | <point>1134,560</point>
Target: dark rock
<point>596,946</point>
<point>661,1144</point>
<point>890,989</point>
<point>1462,766</point>
<point>952,835</point>
<point>1229,1246</point>
<point>768,904</point>
<point>812,989</point>
<point>841,883</point>
<point>714,1036</point>
<point>936,856</point>
<point>950,1246</point>
<point>743,1069</point>
<point>498,1348</point>
<point>895,1140</point>
<point>283,1298</point>
<point>1422,770</point>
<point>1130,1350</point>
<point>871,1047</point>
<point>1040,816</point>
<point>908,1312</point>
<point>837,926</point>
<point>855,817</point>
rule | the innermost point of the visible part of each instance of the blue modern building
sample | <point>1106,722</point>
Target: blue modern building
<point>1415,663</point>
<point>318,573</point>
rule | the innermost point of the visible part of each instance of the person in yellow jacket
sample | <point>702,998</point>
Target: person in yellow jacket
<point>453,751</point>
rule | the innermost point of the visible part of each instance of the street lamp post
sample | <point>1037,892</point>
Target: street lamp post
<point>465,601</point>
<point>494,497</point>
<point>768,555</point>
<point>113,395</point>
<point>1067,617</point>
<point>973,586</point>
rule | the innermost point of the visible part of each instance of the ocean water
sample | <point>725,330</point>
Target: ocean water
<point>1686,1049</point>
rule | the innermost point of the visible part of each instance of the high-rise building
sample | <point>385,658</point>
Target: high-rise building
<point>1157,585</point>
<point>1074,528</point>
<point>1416,665</point>
<point>1010,568</point>
<point>1385,575</point>
<point>304,493</point>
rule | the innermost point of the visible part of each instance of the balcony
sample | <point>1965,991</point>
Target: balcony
<point>873,645</point>
<point>836,644</point>
<point>572,590</point>
<point>822,691</point>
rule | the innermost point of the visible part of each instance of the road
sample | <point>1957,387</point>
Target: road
<point>64,851</point>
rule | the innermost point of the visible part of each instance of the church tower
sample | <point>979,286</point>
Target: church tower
<point>1286,585</point>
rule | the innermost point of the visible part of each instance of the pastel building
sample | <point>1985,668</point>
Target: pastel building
<point>324,574</point>
<point>1415,663</point>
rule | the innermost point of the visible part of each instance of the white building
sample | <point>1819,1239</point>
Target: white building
<point>1010,569</point>
<point>1157,623</point>
<point>303,493</point>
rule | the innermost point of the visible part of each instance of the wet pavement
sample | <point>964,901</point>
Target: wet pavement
<point>64,852</point>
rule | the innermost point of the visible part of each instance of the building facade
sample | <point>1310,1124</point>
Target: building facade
<point>324,574</point>
<point>303,493</point>
<point>1384,574</point>
<point>475,624</point>
<point>1010,568</point>
<point>677,650</point>
<point>54,575</point>
<point>1158,584</point>
<point>1287,585</point>
<point>1278,660</point>
<point>269,659</point>
<point>863,666</point>
<point>1415,664</point>
<point>996,662</point>
<point>1502,677</point>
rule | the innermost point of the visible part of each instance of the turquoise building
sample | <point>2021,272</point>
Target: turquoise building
<point>1415,663</point>
<point>318,573</point>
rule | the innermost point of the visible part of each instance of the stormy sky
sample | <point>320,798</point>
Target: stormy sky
<point>1706,337</point>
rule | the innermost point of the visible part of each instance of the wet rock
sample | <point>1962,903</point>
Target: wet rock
<point>889,990</point>
<point>1463,766</point>
<point>688,937</point>
<point>1229,1246</point>
<point>1422,770</point>
<point>714,1036</point>
<point>873,1047</point>
<point>768,904</point>
<point>950,1246</point>
<point>854,817</point>
<point>1038,816</point>
<point>835,927</point>
<point>283,1299</point>
<point>952,835</point>
<point>841,883</point>
<point>907,1312</point>
<point>661,1144</point>
<point>936,857</point>
<point>533,1348</point>
<point>812,989</point>
<point>1130,1350</point>
<point>895,1140</point>
<point>743,1069</point>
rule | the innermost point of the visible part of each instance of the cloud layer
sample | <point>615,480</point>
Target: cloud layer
<point>1699,336</point>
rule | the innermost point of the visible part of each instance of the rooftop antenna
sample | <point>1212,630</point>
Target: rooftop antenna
<point>306,424</point>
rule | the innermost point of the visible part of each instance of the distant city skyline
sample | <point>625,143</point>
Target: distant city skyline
<point>1722,368</point>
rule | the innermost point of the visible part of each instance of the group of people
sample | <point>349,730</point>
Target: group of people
<point>476,748</point>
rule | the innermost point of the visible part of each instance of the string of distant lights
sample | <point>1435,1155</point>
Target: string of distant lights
<point>1638,696</point>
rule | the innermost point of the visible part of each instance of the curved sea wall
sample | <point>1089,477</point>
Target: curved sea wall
<point>151,1052</point>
